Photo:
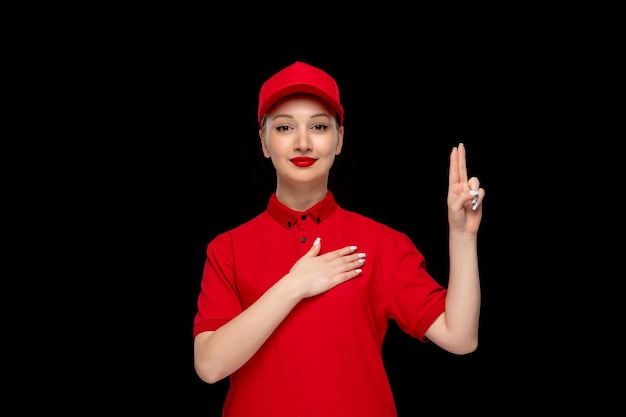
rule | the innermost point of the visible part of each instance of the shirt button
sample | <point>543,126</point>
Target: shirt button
<point>303,239</point>
<point>288,224</point>
<point>303,217</point>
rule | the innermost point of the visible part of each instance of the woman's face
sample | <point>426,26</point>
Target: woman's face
<point>302,138</point>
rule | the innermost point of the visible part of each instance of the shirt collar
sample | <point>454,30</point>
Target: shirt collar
<point>288,217</point>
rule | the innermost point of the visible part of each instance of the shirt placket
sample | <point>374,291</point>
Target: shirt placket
<point>306,231</point>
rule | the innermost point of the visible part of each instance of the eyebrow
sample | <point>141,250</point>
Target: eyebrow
<point>312,116</point>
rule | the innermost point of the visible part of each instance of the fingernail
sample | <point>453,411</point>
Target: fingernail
<point>316,242</point>
<point>474,192</point>
<point>352,247</point>
<point>474,206</point>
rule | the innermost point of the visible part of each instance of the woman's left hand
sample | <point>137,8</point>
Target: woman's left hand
<point>464,195</point>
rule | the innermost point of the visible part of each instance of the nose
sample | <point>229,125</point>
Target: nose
<point>303,144</point>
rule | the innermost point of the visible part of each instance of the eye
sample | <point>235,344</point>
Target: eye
<point>321,127</point>
<point>283,128</point>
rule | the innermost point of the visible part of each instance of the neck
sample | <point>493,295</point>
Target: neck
<point>301,198</point>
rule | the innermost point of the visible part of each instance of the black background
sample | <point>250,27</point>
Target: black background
<point>160,152</point>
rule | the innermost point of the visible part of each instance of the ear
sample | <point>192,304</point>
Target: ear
<point>266,151</point>
<point>339,141</point>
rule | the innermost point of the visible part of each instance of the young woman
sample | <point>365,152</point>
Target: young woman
<point>294,304</point>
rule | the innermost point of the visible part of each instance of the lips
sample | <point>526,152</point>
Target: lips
<point>302,162</point>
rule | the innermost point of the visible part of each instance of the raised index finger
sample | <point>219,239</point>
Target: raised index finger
<point>458,168</point>
<point>453,175</point>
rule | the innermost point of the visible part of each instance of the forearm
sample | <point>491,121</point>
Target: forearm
<point>463,298</point>
<point>229,347</point>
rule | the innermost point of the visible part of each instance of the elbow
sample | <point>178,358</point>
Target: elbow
<point>209,366</point>
<point>208,373</point>
<point>465,348</point>
<point>208,378</point>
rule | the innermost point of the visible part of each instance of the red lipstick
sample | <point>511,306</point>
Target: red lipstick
<point>302,161</point>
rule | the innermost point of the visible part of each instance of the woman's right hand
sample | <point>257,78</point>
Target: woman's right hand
<point>314,274</point>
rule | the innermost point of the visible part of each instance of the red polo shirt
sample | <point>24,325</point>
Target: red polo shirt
<point>325,358</point>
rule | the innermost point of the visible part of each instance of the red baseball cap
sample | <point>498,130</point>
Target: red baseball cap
<point>299,78</point>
